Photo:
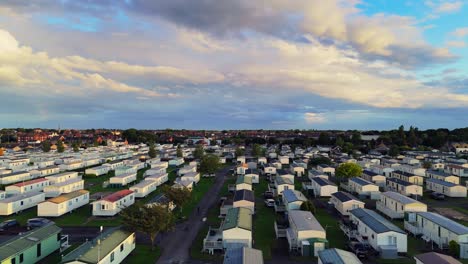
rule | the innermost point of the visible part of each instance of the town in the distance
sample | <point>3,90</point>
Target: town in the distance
<point>233,196</point>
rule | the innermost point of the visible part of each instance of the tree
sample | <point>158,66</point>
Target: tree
<point>454,248</point>
<point>324,139</point>
<point>179,196</point>
<point>319,160</point>
<point>257,150</point>
<point>239,152</point>
<point>412,138</point>
<point>150,220</point>
<point>198,152</point>
<point>394,151</point>
<point>308,206</point>
<point>209,164</point>
<point>45,146</point>
<point>348,170</point>
<point>179,152</point>
<point>152,150</point>
<point>76,147</point>
<point>60,146</point>
<point>340,142</point>
<point>427,165</point>
<point>356,138</point>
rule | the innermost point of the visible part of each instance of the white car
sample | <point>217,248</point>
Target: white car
<point>269,202</point>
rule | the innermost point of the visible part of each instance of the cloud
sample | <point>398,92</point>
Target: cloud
<point>456,44</point>
<point>313,118</point>
<point>460,32</point>
<point>445,6</point>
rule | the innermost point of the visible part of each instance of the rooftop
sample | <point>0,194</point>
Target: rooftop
<point>293,195</point>
<point>117,196</point>
<point>444,222</point>
<point>338,256</point>
<point>243,255</point>
<point>400,198</point>
<point>360,181</point>
<point>244,195</point>
<point>375,221</point>
<point>21,184</point>
<point>238,217</point>
<point>441,182</point>
<point>436,258</point>
<point>344,196</point>
<point>304,220</point>
<point>322,181</point>
<point>68,196</point>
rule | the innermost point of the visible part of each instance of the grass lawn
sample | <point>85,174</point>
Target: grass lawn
<point>143,254</point>
<point>263,222</point>
<point>336,237</point>
<point>197,194</point>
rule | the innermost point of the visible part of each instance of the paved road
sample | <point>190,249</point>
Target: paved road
<point>176,244</point>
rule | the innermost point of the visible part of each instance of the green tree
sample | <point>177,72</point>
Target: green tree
<point>198,152</point>
<point>179,152</point>
<point>356,138</point>
<point>319,160</point>
<point>348,170</point>
<point>152,150</point>
<point>324,139</point>
<point>45,146</point>
<point>60,146</point>
<point>348,147</point>
<point>76,147</point>
<point>394,151</point>
<point>150,220</point>
<point>179,196</point>
<point>412,138</point>
<point>340,142</point>
<point>209,164</point>
<point>427,165</point>
<point>308,206</point>
<point>257,150</point>
<point>96,142</point>
<point>454,248</point>
<point>239,152</point>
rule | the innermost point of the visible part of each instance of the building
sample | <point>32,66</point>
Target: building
<point>376,178</point>
<point>305,233</point>
<point>283,183</point>
<point>446,188</point>
<point>159,178</point>
<point>312,173</point>
<point>293,199</point>
<point>337,256</point>
<point>143,188</point>
<point>63,204</point>
<point>191,176</point>
<point>112,246</point>
<point>361,186</point>
<point>395,205</point>
<point>162,200</point>
<point>243,255</point>
<point>254,174</point>
<point>122,179</point>
<point>435,258</point>
<point>73,184</point>
<point>112,204</point>
<point>329,170</point>
<point>187,169</point>
<point>20,202</point>
<point>297,170</point>
<point>32,246</point>
<point>381,234</point>
<point>14,177</point>
<point>243,183</point>
<point>237,228</point>
<point>36,185</point>
<point>408,177</point>
<point>438,229</point>
<point>323,187</point>
<point>345,202</point>
<point>403,187</point>
<point>244,198</point>
<point>176,162</point>
<point>443,176</point>
<point>98,171</point>
<point>268,169</point>
<point>45,171</point>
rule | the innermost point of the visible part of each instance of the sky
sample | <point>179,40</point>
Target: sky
<point>223,64</point>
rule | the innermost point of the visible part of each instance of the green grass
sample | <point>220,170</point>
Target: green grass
<point>336,237</point>
<point>143,254</point>
<point>197,194</point>
<point>263,223</point>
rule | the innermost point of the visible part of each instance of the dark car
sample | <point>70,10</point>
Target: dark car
<point>268,195</point>
<point>37,222</point>
<point>360,249</point>
<point>8,224</point>
<point>437,196</point>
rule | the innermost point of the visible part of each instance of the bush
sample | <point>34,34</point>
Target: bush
<point>454,248</point>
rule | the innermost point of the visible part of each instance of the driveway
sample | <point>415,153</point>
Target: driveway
<point>175,245</point>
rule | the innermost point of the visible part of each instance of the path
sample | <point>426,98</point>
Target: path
<point>176,245</point>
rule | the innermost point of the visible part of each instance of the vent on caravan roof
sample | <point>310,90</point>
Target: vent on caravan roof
<point>33,239</point>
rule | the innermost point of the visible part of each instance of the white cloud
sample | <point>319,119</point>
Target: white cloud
<point>314,118</point>
<point>445,6</point>
<point>456,44</point>
<point>460,32</point>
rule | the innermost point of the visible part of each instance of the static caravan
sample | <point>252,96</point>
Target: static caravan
<point>14,177</point>
<point>403,187</point>
<point>186,169</point>
<point>376,178</point>
<point>345,202</point>
<point>305,231</point>
<point>243,183</point>
<point>98,171</point>
<point>243,255</point>
<point>240,170</point>
<point>283,183</point>
<point>337,256</point>
<point>159,178</point>
<point>447,188</point>
<point>240,159</point>
<point>162,200</point>
<point>114,246</point>
<point>179,183</point>
<point>71,166</point>
<point>2,195</point>
<point>254,174</point>
<point>284,160</point>
<point>36,185</point>
<point>329,170</point>
<point>191,176</point>
<point>361,186</point>
<point>443,176</point>
<point>407,177</point>
<point>269,170</point>
<point>293,199</point>
<point>244,198</point>
<point>323,187</point>
<point>63,204</point>
<point>62,177</point>
<point>439,229</point>
<point>315,173</point>
<point>68,186</point>
<point>161,164</point>
<point>237,228</point>
<point>143,188</point>
<point>125,170</point>
<point>42,172</point>
<point>155,170</point>
<point>297,170</point>
<point>114,164</point>
<point>20,202</point>
<point>176,162</point>
<point>380,233</point>
<point>112,204</point>
<point>123,179</point>
<point>458,170</point>
<point>396,205</point>
<point>262,160</point>
<point>415,170</point>
<point>32,246</point>
<point>435,258</point>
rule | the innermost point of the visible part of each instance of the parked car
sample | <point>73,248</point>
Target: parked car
<point>8,224</point>
<point>360,249</point>
<point>37,222</point>
<point>269,202</point>
<point>268,195</point>
<point>437,196</point>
